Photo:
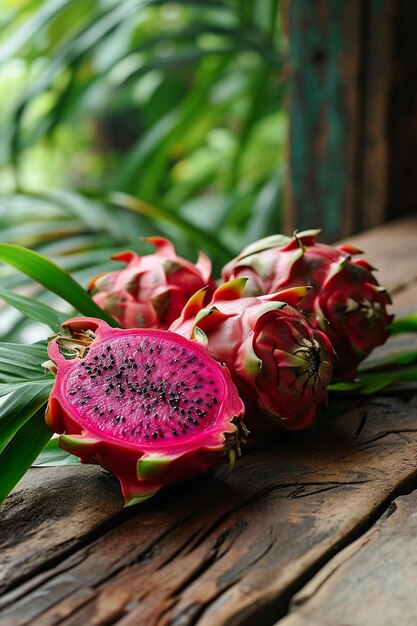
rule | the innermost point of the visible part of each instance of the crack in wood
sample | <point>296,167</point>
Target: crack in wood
<point>361,424</point>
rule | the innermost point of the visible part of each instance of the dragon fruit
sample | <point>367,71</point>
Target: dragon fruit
<point>345,302</point>
<point>280,365</point>
<point>149,406</point>
<point>152,290</point>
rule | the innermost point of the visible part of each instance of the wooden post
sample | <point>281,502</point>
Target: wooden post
<point>402,197</point>
<point>339,56</point>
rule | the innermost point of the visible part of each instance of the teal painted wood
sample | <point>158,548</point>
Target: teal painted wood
<point>337,95</point>
<point>323,48</point>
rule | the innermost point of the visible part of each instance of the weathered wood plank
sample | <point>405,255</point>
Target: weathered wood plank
<point>353,108</point>
<point>40,525</point>
<point>402,122</point>
<point>323,100</point>
<point>376,78</point>
<point>224,553</point>
<point>377,573</point>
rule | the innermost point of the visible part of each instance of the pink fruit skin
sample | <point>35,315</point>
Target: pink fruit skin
<point>143,468</point>
<point>152,290</point>
<point>280,364</point>
<point>345,302</point>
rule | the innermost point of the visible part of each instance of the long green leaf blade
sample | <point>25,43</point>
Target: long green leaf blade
<point>53,455</point>
<point>406,324</point>
<point>51,276</point>
<point>158,214</point>
<point>21,451</point>
<point>33,309</point>
<point>20,406</point>
<point>20,363</point>
<point>31,28</point>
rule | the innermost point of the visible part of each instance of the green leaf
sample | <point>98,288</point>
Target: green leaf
<point>406,324</point>
<point>34,310</point>
<point>21,451</point>
<point>53,455</point>
<point>20,363</point>
<point>395,357</point>
<point>222,253</point>
<point>18,385</point>
<point>345,387</point>
<point>20,406</point>
<point>54,278</point>
<point>30,28</point>
<point>370,382</point>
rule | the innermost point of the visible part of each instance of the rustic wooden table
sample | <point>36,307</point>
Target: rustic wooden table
<point>317,529</point>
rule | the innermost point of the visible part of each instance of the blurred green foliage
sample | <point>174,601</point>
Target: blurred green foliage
<point>125,118</point>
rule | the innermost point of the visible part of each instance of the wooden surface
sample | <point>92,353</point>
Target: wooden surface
<point>339,76</point>
<point>317,528</point>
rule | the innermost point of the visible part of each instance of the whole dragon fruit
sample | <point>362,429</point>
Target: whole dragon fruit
<point>345,302</point>
<point>149,406</point>
<point>152,290</point>
<point>280,365</point>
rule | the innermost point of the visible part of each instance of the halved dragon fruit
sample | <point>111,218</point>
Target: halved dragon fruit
<point>280,365</point>
<point>152,290</point>
<point>345,302</point>
<point>149,406</point>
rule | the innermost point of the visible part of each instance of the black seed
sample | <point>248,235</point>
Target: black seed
<point>154,435</point>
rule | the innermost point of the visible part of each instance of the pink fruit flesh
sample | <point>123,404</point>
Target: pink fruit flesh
<point>143,395</point>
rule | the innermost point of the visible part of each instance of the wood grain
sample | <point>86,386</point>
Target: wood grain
<point>339,83</point>
<point>222,552</point>
<point>323,102</point>
<point>377,573</point>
